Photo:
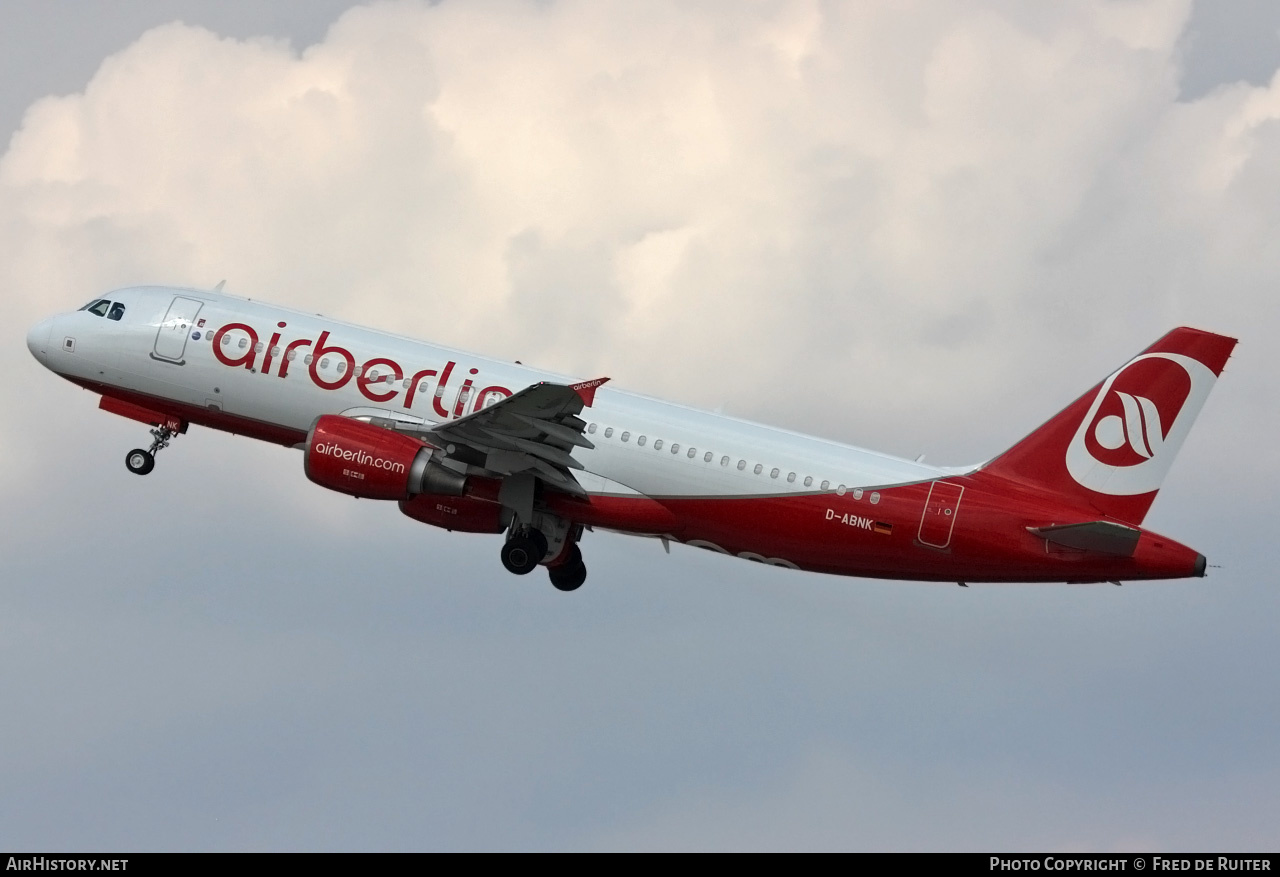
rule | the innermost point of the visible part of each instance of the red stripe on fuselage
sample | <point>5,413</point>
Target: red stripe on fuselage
<point>838,534</point>
<point>210,417</point>
<point>824,532</point>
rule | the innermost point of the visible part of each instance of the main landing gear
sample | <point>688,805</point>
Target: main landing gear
<point>569,575</point>
<point>524,551</point>
<point>526,548</point>
<point>140,462</point>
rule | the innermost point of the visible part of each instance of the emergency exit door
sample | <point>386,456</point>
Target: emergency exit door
<point>940,511</point>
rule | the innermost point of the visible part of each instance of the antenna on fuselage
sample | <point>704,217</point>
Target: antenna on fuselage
<point>218,288</point>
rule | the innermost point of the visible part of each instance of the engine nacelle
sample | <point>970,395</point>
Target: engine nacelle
<point>367,461</point>
<point>465,514</point>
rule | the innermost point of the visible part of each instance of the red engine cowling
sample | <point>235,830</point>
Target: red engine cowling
<point>367,461</point>
<point>466,514</point>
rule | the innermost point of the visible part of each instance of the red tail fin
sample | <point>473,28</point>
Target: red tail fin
<point>1110,449</point>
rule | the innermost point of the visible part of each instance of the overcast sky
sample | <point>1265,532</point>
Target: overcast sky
<point>922,228</point>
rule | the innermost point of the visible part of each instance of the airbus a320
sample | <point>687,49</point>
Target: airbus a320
<point>473,444</point>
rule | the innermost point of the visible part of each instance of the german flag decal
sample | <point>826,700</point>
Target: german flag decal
<point>882,528</point>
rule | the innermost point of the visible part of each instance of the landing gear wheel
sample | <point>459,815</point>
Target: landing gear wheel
<point>140,462</point>
<point>568,578</point>
<point>520,554</point>
<point>569,575</point>
<point>539,540</point>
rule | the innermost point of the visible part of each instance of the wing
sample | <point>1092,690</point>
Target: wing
<point>534,430</point>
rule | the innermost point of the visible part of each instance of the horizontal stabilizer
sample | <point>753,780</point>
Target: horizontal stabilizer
<point>1103,537</point>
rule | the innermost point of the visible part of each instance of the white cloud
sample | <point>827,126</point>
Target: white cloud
<point>893,207</point>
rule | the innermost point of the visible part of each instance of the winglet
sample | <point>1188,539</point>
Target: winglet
<point>587,390</point>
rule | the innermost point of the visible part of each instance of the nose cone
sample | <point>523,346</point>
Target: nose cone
<point>38,340</point>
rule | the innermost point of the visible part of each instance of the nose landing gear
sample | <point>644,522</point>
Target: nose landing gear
<point>140,462</point>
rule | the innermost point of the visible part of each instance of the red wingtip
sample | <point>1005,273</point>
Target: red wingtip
<point>587,390</point>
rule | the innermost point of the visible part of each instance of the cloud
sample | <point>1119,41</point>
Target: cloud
<point>919,227</point>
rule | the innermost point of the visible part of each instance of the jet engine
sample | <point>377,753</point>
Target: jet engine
<point>362,460</point>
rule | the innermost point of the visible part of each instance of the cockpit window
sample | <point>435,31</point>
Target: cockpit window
<point>98,308</point>
<point>117,311</point>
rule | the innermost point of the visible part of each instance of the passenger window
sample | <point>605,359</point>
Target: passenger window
<point>640,441</point>
<point>808,481</point>
<point>840,490</point>
<point>422,387</point>
<point>591,428</point>
<point>306,360</point>
<point>857,493</point>
<point>117,311</point>
<point>259,347</point>
<point>99,309</point>
<point>707,458</point>
<point>675,449</point>
<point>657,444</point>
<point>324,363</point>
<point>244,342</point>
<point>290,355</point>
<point>226,339</point>
<point>773,474</point>
<point>625,436</point>
<point>342,366</point>
<point>742,464</point>
<point>693,452</point>
<point>275,351</point>
<point>759,468</point>
<point>791,478</point>
<point>825,484</point>
<point>608,432</point>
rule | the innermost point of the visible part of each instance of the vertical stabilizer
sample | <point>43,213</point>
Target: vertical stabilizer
<point>1110,449</point>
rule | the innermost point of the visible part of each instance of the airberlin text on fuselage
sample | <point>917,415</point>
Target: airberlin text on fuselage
<point>364,459</point>
<point>370,378</point>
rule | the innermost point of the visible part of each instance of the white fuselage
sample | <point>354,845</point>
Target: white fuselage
<point>634,436</point>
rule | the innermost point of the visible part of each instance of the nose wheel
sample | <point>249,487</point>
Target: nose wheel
<point>140,462</point>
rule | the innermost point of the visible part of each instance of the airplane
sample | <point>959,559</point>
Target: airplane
<point>472,444</point>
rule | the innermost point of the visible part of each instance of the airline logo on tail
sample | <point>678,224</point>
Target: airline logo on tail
<point>1137,422</point>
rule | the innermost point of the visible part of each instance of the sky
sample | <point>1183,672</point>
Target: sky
<point>920,227</point>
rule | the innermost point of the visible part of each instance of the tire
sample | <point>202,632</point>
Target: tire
<point>520,555</point>
<point>540,541</point>
<point>139,462</point>
<point>568,575</point>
